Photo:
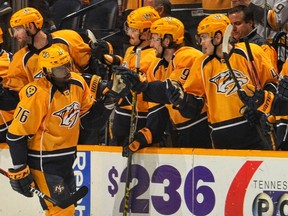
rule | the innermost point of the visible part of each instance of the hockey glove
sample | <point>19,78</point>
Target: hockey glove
<point>21,179</point>
<point>266,124</point>
<point>137,82</point>
<point>110,59</point>
<point>258,100</point>
<point>115,90</point>
<point>95,84</point>
<point>100,48</point>
<point>97,63</point>
<point>252,116</point>
<point>175,93</point>
<point>142,139</point>
<point>283,88</point>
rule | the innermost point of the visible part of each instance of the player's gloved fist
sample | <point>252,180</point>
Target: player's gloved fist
<point>100,48</point>
<point>283,88</point>
<point>142,139</point>
<point>251,115</point>
<point>110,59</point>
<point>258,99</point>
<point>116,89</point>
<point>137,82</point>
<point>174,92</point>
<point>97,62</point>
<point>21,179</point>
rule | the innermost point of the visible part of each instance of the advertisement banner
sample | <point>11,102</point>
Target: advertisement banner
<point>170,181</point>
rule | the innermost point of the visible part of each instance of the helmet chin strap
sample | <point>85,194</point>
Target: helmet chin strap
<point>215,46</point>
<point>32,35</point>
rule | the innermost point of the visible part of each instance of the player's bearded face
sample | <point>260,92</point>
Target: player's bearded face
<point>20,34</point>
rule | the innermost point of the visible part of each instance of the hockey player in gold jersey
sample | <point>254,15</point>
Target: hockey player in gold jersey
<point>6,115</point>
<point>213,84</point>
<point>137,27</point>
<point>43,135</point>
<point>48,112</point>
<point>168,42</point>
<point>26,27</point>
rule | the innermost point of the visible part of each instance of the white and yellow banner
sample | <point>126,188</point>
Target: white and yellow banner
<point>169,181</point>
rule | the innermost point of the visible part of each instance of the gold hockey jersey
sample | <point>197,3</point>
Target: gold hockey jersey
<point>49,117</point>
<point>212,81</point>
<point>146,58</point>
<point>24,67</point>
<point>178,69</point>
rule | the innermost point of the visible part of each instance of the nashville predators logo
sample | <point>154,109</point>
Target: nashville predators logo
<point>31,90</point>
<point>69,115</point>
<point>58,189</point>
<point>225,83</point>
<point>147,16</point>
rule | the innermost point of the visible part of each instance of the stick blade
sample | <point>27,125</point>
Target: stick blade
<point>91,36</point>
<point>79,194</point>
<point>226,37</point>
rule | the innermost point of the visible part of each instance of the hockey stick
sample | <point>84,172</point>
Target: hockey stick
<point>252,66</point>
<point>79,194</point>
<point>265,19</point>
<point>254,74</point>
<point>92,37</point>
<point>225,51</point>
<point>131,137</point>
<point>226,54</point>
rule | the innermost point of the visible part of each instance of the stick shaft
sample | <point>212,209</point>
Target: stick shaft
<point>232,73</point>
<point>62,204</point>
<point>131,138</point>
<point>254,74</point>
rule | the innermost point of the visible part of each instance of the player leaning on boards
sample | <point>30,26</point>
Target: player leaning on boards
<point>43,135</point>
<point>26,27</point>
<point>176,60</point>
<point>213,85</point>
<point>137,27</point>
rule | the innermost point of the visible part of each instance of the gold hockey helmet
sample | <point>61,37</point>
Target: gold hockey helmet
<point>142,18</point>
<point>212,24</point>
<point>25,16</point>
<point>52,58</point>
<point>169,25</point>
